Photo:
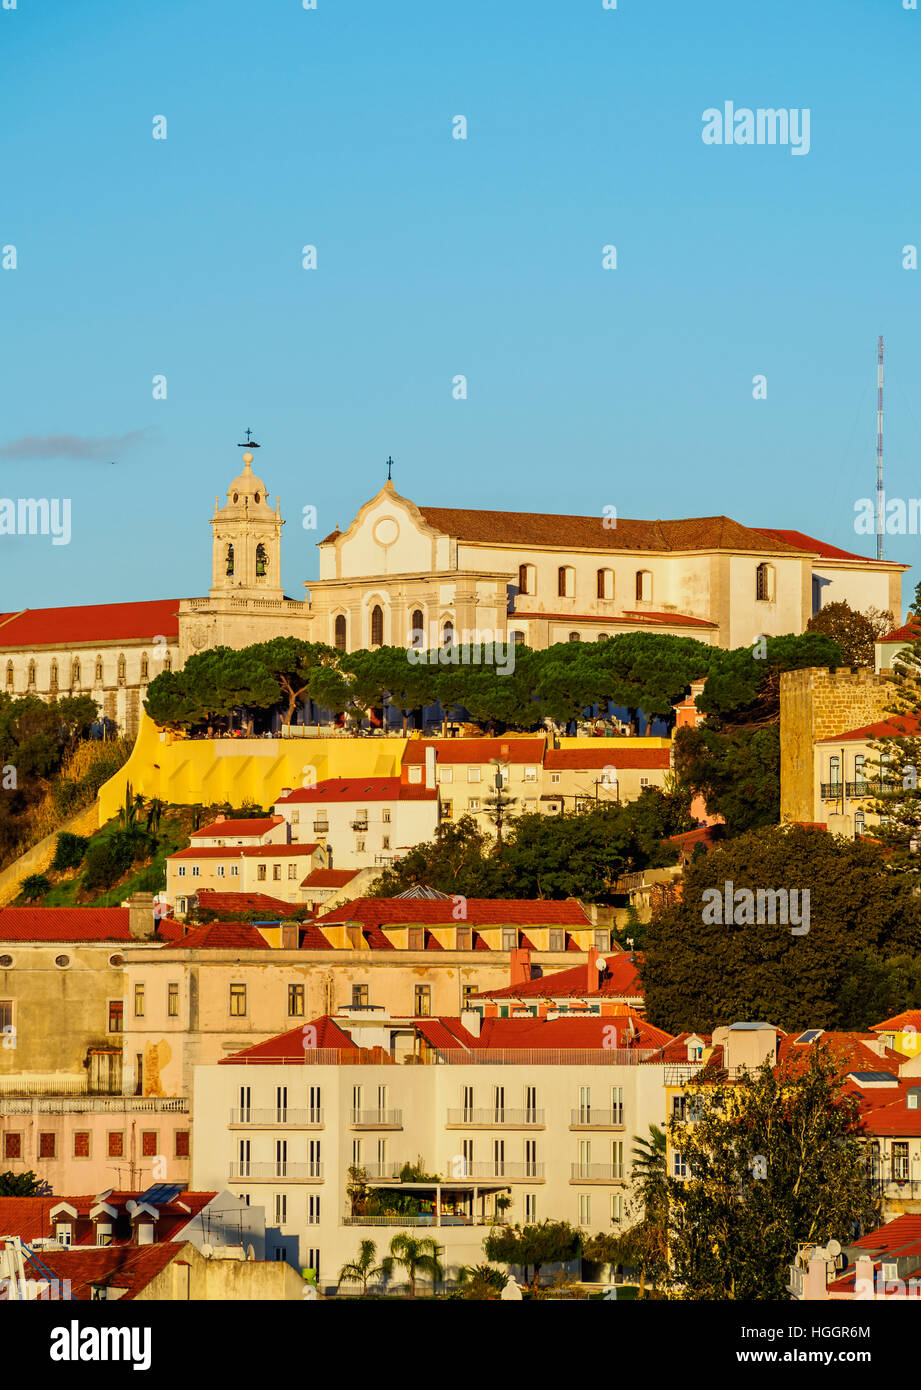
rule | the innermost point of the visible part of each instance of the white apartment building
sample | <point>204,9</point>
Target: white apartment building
<point>550,1129</point>
<point>364,822</point>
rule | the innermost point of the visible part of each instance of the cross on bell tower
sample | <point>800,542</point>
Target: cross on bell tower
<point>389,467</point>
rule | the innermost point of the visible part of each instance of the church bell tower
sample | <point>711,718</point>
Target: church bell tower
<point>246,544</point>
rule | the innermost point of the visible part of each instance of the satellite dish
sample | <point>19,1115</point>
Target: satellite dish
<point>206,1251</point>
<point>834,1249</point>
<point>601,963</point>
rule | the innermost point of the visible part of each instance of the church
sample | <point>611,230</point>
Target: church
<point>403,574</point>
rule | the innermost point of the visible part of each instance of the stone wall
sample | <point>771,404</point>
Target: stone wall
<point>817,703</point>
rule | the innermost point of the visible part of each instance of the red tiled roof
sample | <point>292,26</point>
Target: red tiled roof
<point>630,617</point>
<point>885,1111</point>
<point>476,750</point>
<point>237,936</point>
<point>480,912</point>
<point>128,1267</point>
<point>445,1033</point>
<point>801,541</point>
<point>99,622</point>
<point>620,979</point>
<point>587,1031</point>
<point>909,1018</point>
<point>244,851</point>
<point>611,754</point>
<point>701,835</point>
<point>328,878</point>
<point>908,632</point>
<point>899,1239</point>
<point>590,533</point>
<point>213,901</point>
<point>899,726</point>
<point>850,1051</point>
<point>76,924</point>
<point>257,826</point>
<point>30,1217</point>
<point>348,789</point>
<point>289,1047</point>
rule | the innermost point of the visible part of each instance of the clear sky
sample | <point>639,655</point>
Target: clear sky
<point>438,257</point>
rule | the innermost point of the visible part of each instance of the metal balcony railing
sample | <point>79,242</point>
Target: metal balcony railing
<point>285,1115</point>
<point>597,1172</point>
<point>496,1169</point>
<point>493,1116</point>
<point>282,1169</point>
<point>587,1117</point>
<point>384,1119</point>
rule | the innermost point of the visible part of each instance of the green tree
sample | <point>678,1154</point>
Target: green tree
<point>498,803</point>
<point>417,1255</point>
<point>737,773</point>
<point>20,1184</point>
<point>34,886</point>
<point>532,1247</point>
<point>69,851</point>
<point>855,633</point>
<point>363,1269</point>
<point>480,1282</point>
<point>775,1160</point>
<point>291,663</point>
<point>699,970</point>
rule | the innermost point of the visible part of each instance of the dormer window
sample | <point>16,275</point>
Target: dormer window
<point>145,1233</point>
<point>64,1232</point>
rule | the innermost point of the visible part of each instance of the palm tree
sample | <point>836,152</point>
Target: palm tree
<point>646,1243</point>
<point>417,1254</point>
<point>363,1269</point>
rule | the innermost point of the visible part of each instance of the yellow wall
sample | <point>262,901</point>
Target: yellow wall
<point>185,771</point>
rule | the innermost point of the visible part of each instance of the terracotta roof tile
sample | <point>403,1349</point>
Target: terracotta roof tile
<point>899,726</point>
<point>211,900</point>
<point>244,851</point>
<point>128,1267</point>
<point>238,936</point>
<point>100,623</point>
<point>480,912</point>
<point>329,878</point>
<point>260,825</point>
<point>476,750</point>
<point>348,789</point>
<point>610,753</point>
<point>76,924</point>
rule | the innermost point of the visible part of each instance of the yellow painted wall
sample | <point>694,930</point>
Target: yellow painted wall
<point>588,742</point>
<point>185,771</point>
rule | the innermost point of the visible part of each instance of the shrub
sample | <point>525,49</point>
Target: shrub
<point>69,851</point>
<point>106,861</point>
<point>35,886</point>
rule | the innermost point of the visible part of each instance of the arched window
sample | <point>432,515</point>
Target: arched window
<point>377,626</point>
<point>644,586</point>
<point>53,676</point>
<point>764,582</point>
<point>860,824</point>
<point>31,675</point>
<point>518,639</point>
<point>565,581</point>
<point>339,638</point>
<point>99,669</point>
<point>526,579</point>
<point>122,670</point>
<point>834,769</point>
<point>145,666</point>
<point>75,672</point>
<point>9,675</point>
<point>602,637</point>
<point>605,583</point>
<point>447,636</point>
<point>168,662</point>
<point>230,559</point>
<point>417,629</point>
<point>575,637</point>
<point>262,559</point>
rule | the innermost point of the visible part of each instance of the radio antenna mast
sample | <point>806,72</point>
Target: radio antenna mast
<point>880,500</point>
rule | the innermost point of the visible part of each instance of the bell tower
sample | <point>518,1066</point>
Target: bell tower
<point>246,532</point>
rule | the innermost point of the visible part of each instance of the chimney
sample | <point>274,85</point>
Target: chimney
<point>285,791</point>
<point>591,969</point>
<point>864,1284</point>
<point>430,756</point>
<point>142,924</point>
<point>472,1020</point>
<point>815,1284</point>
<point>519,966</point>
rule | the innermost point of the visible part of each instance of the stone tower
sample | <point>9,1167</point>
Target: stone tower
<point>246,540</point>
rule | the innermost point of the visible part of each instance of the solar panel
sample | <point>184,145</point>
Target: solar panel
<point>161,1193</point>
<point>810,1035</point>
<point>877,1077</point>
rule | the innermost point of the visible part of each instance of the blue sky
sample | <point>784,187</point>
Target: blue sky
<point>438,257</point>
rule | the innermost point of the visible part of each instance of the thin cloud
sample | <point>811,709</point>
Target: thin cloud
<point>71,446</point>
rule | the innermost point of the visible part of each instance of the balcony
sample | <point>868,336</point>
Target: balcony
<point>275,1172</point>
<point>597,1172</point>
<point>272,1118</point>
<point>376,1119</point>
<point>423,1219</point>
<point>587,1117</point>
<point>360,825</point>
<point>321,827</point>
<point>831,791</point>
<point>492,1118</point>
<point>93,1105</point>
<point>506,1172</point>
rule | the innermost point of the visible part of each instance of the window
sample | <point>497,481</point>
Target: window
<point>416,938</point>
<point>260,872</point>
<point>530,1158</point>
<point>530,774</point>
<point>276,872</point>
<point>145,666</point>
<point>313,1262</point>
<point>517,638</point>
<point>422,1001</point>
<point>172,1001</point>
<point>6,1015</point>
<point>575,637</point>
<point>447,635</point>
<point>474,774</point>
<point>237,1001</point>
<point>31,676</point>
<point>182,871</point>
<point>585,1209</point>
<point>464,942</point>
<point>81,1143</point>
<point>415,774</point>
<point>281,1209</point>
<point>339,639</point>
<point>139,1001</point>
<point>220,870</point>
<point>446,774</point>
<point>235,871</point>
<point>417,629</point>
<point>98,670</point>
<point>377,626</point>
<point>605,579</point>
<point>385,815</point>
<point>150,1143</point>
<point>899,1160</point>
<point>644,781</point>
<point>764,582</point>
<point>617,1206</point>
<point>75,672</point>
<point>196,871</point>
<point>262,558</point>
<point>602,940</point>
<point>116,1015</point>
<point>834,769</point>
<point>447,810</point>
<point>602,637</point>
<point>509,938</point>
<point>229,559</point>
<point>53,676</point>
<point>359,996</point>
<point>359,846</point>
<point>557,939</point>
<point>64,1231</point>
<point>679,1166</point>
<point>644,586</point>
<point>530,1206</point>
<point>122,670</point>
<point>115,1145</point>
<point>860,824</point>
<point>473,803</point>
<point>526,579</point>
<point>313,1209</point>
<point>9,675</point>
<point>12,1145</point>
<point>47,1144</point>
<point>565,581</point>
<point>295,1001</point>
<point>385,842</point>
<point>554,778</point>
<point>617,1105</point>
<point>182,1143</point>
